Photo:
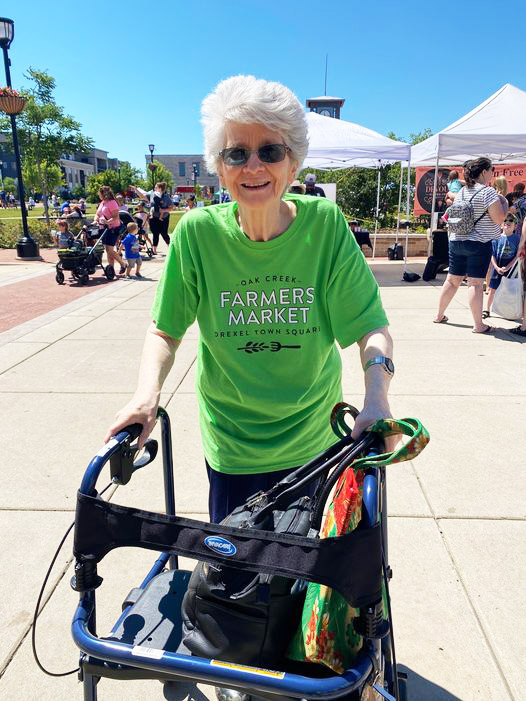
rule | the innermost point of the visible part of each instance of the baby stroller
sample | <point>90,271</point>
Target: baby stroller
<point>146,641</point>
<point>143,238</point>
<point>82,257</point>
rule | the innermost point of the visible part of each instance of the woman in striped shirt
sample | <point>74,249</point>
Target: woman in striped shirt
<point>471,254</point>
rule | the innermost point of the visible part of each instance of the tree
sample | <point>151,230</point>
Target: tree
<point>9,185</point>
<point>128,175</point>
<point>119,180</point>
<point>162,174</point>
<point>45,132</point>
<point>32,180</point>
<point>78,192</point>
<point>95,182</point>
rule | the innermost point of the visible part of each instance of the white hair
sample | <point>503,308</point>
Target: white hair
<point>247,100</point>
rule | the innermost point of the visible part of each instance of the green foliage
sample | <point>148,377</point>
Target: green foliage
<point>49,172</point>
<point>128,175</point>
<point>119,180</point>
<point>78,192</point>
<point>95,182</point>
<point>9,185</point>
<point>45,132</point>
<point>11,231</point>
<point>416,138</point>
<point>161,174</point>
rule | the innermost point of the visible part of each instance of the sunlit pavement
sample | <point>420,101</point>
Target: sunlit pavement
<point>457,513</point>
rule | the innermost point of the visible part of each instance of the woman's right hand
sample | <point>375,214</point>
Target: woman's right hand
<point>135,412</point>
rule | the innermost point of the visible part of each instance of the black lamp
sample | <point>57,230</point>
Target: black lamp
<point>7,32</point>
<point>152,165</point>
<point>26,246</point>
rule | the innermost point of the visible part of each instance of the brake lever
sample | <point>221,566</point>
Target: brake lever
<point>122,463</point>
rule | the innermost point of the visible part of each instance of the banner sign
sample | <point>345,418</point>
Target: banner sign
<point>514,173</point>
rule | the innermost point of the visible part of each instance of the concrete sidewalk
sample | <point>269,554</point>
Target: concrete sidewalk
<point>457,524</point>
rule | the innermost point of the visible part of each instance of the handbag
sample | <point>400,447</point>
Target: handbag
<point>328,633</point>
<point>508,301</point>
<point>236,616</point>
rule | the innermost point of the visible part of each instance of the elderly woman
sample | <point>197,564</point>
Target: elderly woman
<point>274,280</point>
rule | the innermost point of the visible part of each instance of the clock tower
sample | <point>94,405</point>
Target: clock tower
<point>326,106</point>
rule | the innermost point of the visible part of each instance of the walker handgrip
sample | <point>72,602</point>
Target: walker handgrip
<point>134,430</point>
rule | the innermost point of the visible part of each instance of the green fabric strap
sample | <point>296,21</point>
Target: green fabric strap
<point>418,437</point>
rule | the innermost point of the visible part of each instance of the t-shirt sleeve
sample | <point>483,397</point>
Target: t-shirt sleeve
<point>353,297</point>
<point>175,305</point>
<point>490,196</point>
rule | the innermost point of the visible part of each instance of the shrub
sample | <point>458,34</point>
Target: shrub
<point>11,231</point>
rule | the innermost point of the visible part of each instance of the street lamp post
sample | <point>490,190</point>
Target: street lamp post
<point>152,165</point>
<point>194,169</point>
<point>26,246</point>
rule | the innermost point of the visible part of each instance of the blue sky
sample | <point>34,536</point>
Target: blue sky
<point>401,66</point>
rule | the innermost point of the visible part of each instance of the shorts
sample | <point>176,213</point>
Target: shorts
<point>110,236</point>
<point>131,262</point>
<point>471,258</point>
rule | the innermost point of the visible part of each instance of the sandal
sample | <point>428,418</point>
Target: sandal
<point>485,314</point>
<point>443,320</point>
<point>518,331</point>
<point>488,329</point>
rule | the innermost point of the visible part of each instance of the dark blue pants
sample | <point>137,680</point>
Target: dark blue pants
<point>228,491</point>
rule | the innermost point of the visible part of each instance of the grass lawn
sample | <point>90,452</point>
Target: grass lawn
<point>13,213</point>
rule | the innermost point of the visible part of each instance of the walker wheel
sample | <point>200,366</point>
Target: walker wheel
<point>109,271</point>
<point>402,686</point>
<point>59,277</point>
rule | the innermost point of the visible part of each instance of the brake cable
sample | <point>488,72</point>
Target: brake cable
<point>41,594</point>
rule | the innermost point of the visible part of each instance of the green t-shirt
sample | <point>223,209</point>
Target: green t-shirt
<point>268,369</point>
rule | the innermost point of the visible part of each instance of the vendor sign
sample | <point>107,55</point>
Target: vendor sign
<point>514,173</point>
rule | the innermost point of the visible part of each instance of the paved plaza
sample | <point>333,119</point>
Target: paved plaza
<point>457,528</point>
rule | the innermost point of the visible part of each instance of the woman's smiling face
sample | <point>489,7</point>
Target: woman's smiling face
<point>255,184</point>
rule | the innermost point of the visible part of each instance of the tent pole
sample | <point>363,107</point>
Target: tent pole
<point>399,202</point>
<point>407,205</point>
<point>377,209</point>
<point>430,243</point>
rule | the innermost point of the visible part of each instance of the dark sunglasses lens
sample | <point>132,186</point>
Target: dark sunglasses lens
<point>235,156</point>
<point>272,153</point>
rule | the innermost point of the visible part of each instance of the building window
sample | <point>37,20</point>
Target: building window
<point>182,169</point>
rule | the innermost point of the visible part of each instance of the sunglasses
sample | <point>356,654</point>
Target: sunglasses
<point>509,220</point>
<point>238,155</point>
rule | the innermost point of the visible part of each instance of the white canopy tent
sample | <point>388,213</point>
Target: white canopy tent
<point>495,129</point>
<point>335,144</point>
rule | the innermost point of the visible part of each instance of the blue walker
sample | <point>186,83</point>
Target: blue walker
<point>146,640</point>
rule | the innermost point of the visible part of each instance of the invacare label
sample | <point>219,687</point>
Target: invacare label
<point>219,545</point>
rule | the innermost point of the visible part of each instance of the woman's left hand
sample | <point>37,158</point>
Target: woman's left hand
<point>371,412</point>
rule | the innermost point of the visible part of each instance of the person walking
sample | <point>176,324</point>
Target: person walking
<point>107,217</point>
<point>470,253</point>
<point>160,206</point>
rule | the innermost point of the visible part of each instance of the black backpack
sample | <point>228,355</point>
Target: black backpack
<point>235,616</point>
<point>239,616</point>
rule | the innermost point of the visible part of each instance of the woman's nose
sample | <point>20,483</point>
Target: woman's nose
<point>253,162</point>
